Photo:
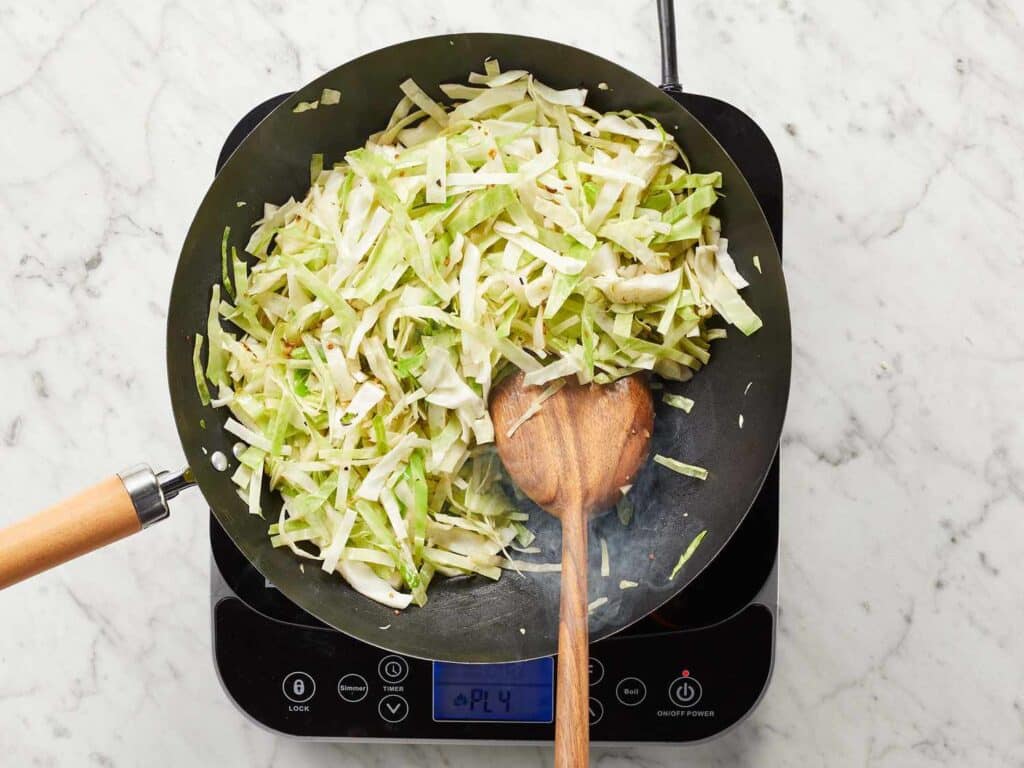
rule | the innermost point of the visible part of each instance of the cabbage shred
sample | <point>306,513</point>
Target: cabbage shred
<point>518,228</point>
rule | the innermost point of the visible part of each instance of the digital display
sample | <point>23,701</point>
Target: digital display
<point>522,691</point>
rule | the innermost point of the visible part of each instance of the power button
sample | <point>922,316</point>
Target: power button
<point>685,691</point>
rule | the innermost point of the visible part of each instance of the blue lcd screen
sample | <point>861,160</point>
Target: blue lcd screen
<point>522,691</point>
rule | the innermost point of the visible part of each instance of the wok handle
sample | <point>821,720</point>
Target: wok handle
<point>669,59</point>
<point>572,711</point>
<point>114,508</point>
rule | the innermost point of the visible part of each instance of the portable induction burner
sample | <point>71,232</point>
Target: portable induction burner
<point>685,673</point>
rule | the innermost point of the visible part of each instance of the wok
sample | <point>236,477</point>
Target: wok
<point>466,619</point>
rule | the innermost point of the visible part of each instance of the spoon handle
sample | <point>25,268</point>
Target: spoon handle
<point>572,718</point>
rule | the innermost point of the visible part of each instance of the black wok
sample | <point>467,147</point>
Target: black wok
<point>473,619</point>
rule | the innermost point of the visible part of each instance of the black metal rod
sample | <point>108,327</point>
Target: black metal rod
<point>667,26</point>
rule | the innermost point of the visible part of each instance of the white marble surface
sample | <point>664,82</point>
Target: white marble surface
<point>900,134</point>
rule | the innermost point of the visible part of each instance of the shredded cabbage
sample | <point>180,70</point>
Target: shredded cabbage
<point>197,366</point>
<point>678,401</point>
<point>534,408</point>
<point>687,554</point>
<point>516,229</point>
<point>689,470</point>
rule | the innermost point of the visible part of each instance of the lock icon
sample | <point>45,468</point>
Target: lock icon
<point>298,687</point>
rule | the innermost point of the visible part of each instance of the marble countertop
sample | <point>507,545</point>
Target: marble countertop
<point>900,134</point>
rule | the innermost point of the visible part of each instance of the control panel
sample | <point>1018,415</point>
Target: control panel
<point>675,687</point>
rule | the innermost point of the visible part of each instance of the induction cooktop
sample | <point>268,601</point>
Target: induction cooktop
<point>685,673</point>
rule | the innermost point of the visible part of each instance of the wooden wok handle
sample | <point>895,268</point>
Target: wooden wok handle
<point>117,507</point>
<point>572,711</point>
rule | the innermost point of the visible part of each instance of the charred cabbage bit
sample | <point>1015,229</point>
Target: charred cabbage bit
<point>515,227</point>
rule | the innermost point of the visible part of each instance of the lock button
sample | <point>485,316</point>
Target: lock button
<point>298,687</point>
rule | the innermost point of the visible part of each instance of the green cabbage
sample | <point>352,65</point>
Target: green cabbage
<point>689,470</point>
<point>687,554</point>
<point>678,401</point>
<point>517,229</point>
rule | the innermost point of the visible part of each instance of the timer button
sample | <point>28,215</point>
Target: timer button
<point>596,711</point>
<point>352,688</point>
<point>596,669</point>
<point>685,691</point>
<point>631,691</point>
<point>393,709</point>
<point>298,687</point>
<point>393,669</point>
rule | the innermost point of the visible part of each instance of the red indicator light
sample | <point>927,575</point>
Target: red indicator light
<point>686,673</point>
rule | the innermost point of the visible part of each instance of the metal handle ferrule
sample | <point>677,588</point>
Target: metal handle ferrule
<point>150,492</point>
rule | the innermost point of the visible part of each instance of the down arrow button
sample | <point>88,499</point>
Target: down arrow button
<point>393,709</point>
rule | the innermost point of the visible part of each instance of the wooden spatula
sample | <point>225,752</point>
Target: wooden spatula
<point>572,458</point>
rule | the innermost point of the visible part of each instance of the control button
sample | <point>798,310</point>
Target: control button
<point>353,688</point>
<point>393,669</point>
<point>685,692</point>
<point>630,691</point>
<point>596,711</point>
<point>298,687</point>
<point>393,709</point>
<point>596,669</point>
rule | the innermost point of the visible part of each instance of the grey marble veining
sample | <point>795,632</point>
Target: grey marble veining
<point>901,139</point>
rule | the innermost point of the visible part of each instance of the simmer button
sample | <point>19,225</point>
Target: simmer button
<point>353,688</point>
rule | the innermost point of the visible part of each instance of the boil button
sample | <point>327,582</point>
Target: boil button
<point>630,691</point>
<point>685,692</point>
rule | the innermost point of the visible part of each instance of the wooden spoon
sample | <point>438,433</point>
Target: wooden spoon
<point>572,458</point>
